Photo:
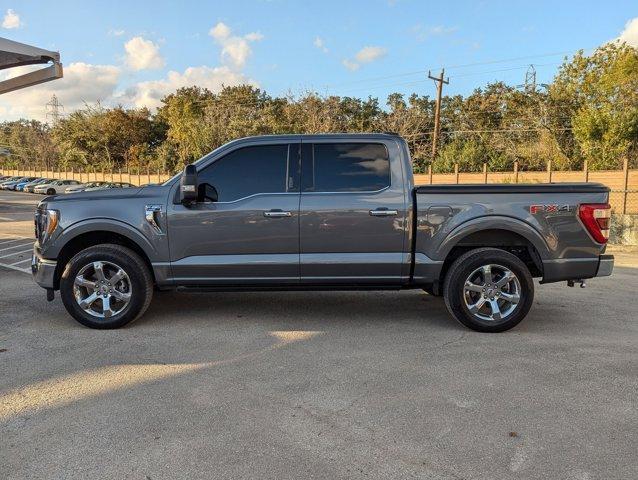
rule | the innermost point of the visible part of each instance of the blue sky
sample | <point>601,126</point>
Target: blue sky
<point>133,52</point>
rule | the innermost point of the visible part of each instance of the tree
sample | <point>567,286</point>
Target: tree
<point>600,92</point>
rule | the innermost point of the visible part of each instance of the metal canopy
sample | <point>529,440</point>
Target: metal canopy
<point>15,54</point>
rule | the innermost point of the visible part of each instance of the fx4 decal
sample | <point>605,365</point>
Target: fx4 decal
<point>534,209</point>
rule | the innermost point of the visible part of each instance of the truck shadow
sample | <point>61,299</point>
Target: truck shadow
<point>303,308</point>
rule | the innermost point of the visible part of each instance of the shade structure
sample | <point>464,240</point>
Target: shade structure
<point>15,54</point>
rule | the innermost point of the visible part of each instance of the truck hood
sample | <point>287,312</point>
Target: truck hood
<point>111,193</point>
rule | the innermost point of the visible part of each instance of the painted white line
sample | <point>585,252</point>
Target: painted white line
<point>15,246</point>
<point>16,253</point>
<point>21,261</point>
<point>18,269</point>
<point>13,240</point>
<point>5,219</point>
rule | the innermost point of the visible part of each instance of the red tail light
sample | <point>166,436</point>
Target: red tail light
<point>597,218</point>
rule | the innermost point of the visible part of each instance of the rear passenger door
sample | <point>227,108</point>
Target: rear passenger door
<point>352,213</point>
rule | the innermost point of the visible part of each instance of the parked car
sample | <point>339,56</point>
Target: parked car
<point>55,187</point>
<point>28,188</point>
<point>82,186</point>
<point>11,184</point>
<point>319,212</point>
<point>20,186</point>
<point>109,185</point>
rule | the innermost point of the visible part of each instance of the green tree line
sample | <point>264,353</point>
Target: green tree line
<point>588,113</point>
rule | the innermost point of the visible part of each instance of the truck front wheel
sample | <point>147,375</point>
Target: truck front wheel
<point>106,286</point>
<point>488,290</point>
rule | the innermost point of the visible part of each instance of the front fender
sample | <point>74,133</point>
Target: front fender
<point>104,225</point>
<point>494,222</point>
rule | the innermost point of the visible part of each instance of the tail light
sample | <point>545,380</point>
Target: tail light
<point>597,218</point>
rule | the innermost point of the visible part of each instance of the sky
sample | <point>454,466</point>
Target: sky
<point>132,53</point>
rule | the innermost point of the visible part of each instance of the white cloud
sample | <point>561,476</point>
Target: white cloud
<point>320,44</point>
<point>423,33</point>
<point>149,94</point>
<point>82,83</point>
<point>116,33</point>
<point>143,54</point>
<point>370,54</point>
<point>11,20</point>
<point>365,55</point>
<point>630,33</point>
<point>235,49</point>
<point>350,65</point>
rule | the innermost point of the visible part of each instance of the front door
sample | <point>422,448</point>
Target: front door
<point>250,235</point>
<point>352,214</point>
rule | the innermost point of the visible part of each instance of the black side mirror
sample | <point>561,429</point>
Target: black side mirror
<point>188,186</point>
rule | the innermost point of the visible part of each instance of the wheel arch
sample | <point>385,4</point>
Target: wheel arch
<point>507,233</point>
<point>86,238</point>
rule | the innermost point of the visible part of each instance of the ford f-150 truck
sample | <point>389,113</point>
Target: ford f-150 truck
<point>337,211</point>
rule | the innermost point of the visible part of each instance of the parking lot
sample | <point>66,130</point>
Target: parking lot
<point>315,384</point>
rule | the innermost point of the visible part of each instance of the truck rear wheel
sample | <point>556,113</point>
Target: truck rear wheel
<point>488,290</point>
<point>106,286</point>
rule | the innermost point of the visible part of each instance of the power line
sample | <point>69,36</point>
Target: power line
<point>454,67</point>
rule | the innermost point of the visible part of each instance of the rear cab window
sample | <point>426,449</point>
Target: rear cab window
<point>345,167</point>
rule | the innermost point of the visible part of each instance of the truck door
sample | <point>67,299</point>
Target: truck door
<point>250,235</point>
<point>352,213</point>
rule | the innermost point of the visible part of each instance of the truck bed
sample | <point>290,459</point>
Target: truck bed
<point>541,217</point>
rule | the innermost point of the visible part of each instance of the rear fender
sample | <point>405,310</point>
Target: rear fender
<point>494,223</point>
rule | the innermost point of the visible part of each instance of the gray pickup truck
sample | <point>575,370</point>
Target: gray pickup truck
<point>308,212</point>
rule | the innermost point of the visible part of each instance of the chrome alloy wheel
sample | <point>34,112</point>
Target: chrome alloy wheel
<point>492,292</point>
<point>102,289</point>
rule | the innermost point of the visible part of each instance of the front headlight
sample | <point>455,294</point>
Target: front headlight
<point>46,221</point>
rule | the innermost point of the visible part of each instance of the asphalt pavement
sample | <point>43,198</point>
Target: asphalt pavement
<point>324,385</point>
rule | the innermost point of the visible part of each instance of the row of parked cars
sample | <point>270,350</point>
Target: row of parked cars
<point>54,186</point>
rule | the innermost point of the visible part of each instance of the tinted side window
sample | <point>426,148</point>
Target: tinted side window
<point>346,167</point>
<point>247,171</point>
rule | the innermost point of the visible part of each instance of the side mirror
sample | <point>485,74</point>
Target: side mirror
<point>188,186</point>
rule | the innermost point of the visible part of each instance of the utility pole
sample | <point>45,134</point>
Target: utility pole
<point>437,109</point>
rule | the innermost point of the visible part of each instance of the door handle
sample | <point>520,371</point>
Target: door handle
<point>383,212</point>
<point>277,213</point>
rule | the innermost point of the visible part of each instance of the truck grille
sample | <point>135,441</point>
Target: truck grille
<point>39,219</point>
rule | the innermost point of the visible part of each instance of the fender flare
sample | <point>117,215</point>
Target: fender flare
<point>494,222</point>
<point>103,225</point>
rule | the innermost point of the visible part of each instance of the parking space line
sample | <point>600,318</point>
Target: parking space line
<point>16,253</point>
<point>15,246</point>
<point>20,261</point>
<point>13,240</point>
<point>18,269</point>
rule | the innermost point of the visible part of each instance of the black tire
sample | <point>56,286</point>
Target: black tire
<point>464,266</point>
<point>50,191</point>
<point>141,284</point>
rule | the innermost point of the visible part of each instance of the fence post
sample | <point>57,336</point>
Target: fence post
<point>586,170</point>
<point>625,171</point>
<point>456,172</point>
<point>549,171</point>
<point>485,172</point>
<point>430,173</point>
<point>515,171</point>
